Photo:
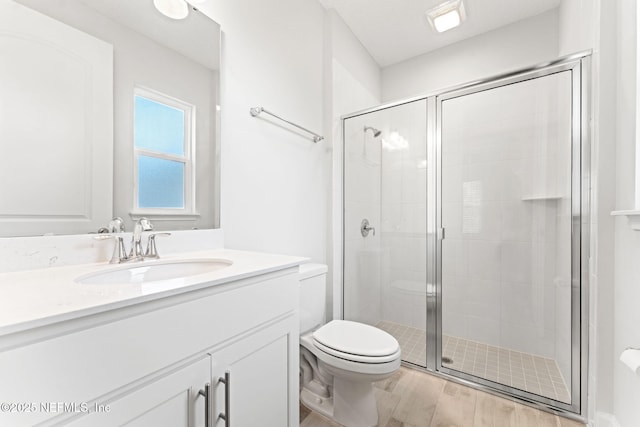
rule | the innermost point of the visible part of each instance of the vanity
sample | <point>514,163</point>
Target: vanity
<point>212,348</point>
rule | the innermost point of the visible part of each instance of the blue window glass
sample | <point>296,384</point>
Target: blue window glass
<point>158,127</point>
<point>160,183</point>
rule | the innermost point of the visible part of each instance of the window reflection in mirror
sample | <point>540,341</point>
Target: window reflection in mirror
<point>163,129</point>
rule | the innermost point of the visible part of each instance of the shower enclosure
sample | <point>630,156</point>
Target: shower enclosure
<point>465,230</point>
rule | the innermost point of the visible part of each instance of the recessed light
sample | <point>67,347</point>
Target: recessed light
<point>447,15</point>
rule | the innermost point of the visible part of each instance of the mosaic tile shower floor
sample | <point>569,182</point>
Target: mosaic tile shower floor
<point>524,371</point>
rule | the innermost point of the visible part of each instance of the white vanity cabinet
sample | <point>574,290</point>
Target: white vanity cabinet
<point>171,400</point>
<point>145,364</point>
<point>253,380</point>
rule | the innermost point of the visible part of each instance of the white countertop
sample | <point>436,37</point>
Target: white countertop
<point>29,299</point>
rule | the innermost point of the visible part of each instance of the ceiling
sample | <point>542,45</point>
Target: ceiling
<point>395,30</point>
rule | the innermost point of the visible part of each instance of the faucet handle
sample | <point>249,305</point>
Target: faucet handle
<point>116,225</point>
<point>145,224</point>
<point>152,250</point>
<point>119,252</point>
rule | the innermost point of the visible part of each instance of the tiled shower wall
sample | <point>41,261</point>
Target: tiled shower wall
<point>404,214</point>
<point>385,182</point>
<point>506,211</point>
<point>362,293</point>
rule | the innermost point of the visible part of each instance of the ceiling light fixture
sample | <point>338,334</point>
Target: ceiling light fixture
<point>174,9</point>
<point>447,15</point>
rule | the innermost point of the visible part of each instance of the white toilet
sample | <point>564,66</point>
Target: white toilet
<point>340,360</point>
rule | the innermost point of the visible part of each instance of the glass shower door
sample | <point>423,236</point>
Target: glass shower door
<point>385,220</point>
<point>506,274</point>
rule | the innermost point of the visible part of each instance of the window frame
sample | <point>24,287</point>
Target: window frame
<point>188,159</point>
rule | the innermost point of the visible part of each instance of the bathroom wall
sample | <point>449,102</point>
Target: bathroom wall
<point>280,192</point>
<point>614,290</point>
<point>626,330</point>
<point>610,29</point>
<point>591,25</point>
<point>353,83</point>
<point>275,181</point>
<point>514,46</point>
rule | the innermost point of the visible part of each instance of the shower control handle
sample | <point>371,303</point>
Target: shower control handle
<point>365,228</point>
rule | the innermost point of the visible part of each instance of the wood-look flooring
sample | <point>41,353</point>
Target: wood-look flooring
<point>411,398</point>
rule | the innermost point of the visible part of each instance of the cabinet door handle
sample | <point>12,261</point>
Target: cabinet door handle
<point>206,393</point>
<point>226,415</point>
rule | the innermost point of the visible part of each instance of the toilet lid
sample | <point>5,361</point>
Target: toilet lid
<point>356,338</point>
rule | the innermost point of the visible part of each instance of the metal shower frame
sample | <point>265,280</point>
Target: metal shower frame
<point>579,66</point>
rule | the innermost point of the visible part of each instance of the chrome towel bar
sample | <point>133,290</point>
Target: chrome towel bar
<point>255,112</point>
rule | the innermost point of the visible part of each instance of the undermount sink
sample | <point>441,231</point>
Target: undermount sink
<point>153,271</point>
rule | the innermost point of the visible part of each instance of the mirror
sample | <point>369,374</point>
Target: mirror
<point>67,112</point>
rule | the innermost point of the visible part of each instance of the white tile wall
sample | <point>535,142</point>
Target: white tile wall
<point>404,217</point>
<point>505,259</point>
<point>362,294</point>
<point>387,186</point>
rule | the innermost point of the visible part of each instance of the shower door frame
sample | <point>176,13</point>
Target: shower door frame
<point>579,65</point>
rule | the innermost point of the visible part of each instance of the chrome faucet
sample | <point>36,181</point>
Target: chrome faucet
<point>135,254</point>
<point>143,224</point>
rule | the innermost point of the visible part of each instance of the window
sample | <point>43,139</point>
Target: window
<point>163,152</point>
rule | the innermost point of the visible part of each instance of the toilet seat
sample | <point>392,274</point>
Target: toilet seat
<point>356,342</point>
<point>346,363</point>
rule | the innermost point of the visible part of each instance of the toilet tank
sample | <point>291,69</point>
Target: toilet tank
<point>313,283</point>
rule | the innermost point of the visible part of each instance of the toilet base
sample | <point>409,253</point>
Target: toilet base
<point>353,403</point>
<point>321,405</point>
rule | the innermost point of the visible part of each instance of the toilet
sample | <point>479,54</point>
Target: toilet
<point>340,360</point>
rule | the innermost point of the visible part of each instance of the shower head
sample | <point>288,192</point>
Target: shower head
<point>376,132</point>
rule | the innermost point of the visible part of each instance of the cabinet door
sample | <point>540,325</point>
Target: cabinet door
<point>173,400</point>
<point>258,389</point>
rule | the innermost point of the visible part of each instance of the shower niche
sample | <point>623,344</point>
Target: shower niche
<point>477,196</point>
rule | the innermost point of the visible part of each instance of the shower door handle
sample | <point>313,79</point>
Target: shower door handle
<point>365,228</point>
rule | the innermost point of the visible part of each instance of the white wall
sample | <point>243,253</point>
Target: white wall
<point>626,330</point>
<point>518,45</point>
<point>353,83</point>
<point>279,190</point>
<point>614,391</point>
<point>274,180</point>
<point>592,25</point>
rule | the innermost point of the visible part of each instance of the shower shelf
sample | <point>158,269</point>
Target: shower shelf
<point>533,198</point>
<point>632,215</point>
